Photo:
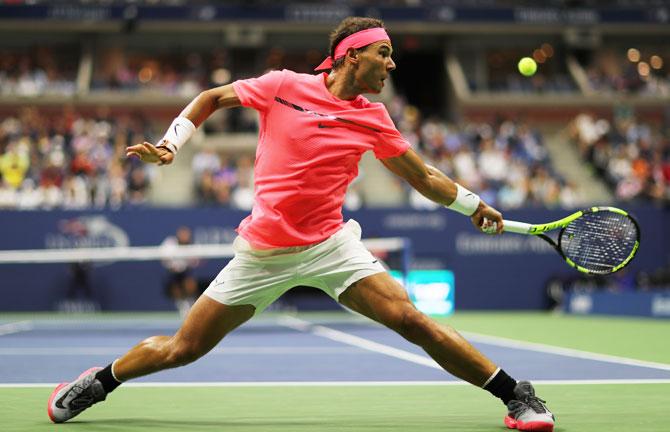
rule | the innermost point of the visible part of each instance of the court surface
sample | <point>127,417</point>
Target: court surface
<point>337,371</point>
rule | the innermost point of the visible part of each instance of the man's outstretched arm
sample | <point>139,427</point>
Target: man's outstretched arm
<point>436,186</point>
<point>183,127</point>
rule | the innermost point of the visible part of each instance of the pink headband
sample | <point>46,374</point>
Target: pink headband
<point>356,40</point>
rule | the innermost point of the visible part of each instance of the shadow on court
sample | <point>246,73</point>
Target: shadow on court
<point>312,424</point>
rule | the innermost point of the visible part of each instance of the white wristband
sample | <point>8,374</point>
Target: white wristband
<point>466,202</point>
<point>180,131</point>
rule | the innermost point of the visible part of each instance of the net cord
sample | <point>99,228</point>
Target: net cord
<point>153,253</point>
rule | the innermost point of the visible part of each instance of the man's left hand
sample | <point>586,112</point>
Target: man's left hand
<point>150,153</point>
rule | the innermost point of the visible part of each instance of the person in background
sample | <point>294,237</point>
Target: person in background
<point>180,284</point>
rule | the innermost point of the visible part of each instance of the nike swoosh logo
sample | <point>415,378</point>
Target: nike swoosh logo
<point>374,261</point>
<point>323,126</point>
<point>59,402</point>
<point>77,404</point>
<point>175,129</point>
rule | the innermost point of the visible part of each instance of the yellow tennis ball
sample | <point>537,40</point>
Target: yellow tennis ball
<point>527,66</point>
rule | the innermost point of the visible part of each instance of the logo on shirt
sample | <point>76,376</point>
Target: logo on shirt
<point>326,116</point>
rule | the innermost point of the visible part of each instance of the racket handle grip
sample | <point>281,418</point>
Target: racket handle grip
<point>516,227</point>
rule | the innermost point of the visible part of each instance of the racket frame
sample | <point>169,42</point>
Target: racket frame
<point>538,230</point>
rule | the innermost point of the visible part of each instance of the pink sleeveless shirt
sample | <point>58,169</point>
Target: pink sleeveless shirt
<point>309,146</point>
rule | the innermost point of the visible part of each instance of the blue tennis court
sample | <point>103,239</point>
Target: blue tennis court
<point>282,348</point>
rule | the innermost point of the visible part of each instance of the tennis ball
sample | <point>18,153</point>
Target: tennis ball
<point>527,66</point>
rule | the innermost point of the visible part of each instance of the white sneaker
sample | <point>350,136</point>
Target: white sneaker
<point>528,412</point>
<point>69,400</point>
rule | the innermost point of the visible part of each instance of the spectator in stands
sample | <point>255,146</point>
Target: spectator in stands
<point>206,190</point>
<point>70,160</point>
<point>614,71</point>
<point>215,177</point>
<point>492,157</point>
<point>8,196</point>
<point>162,73</point>
<point>631,157</point>
<point>76,193</point>
<point>33,72</point>
<point>180,285</point>
<point>500,159</point>
<point>205,160</point>
<point>29,197</point>
<point>138,185</point>
<point>243,195</point>
<point>14,164</point>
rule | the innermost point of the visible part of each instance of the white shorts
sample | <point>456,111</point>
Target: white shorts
<point>258,277</point>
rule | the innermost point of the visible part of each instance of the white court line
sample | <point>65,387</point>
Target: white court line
<point>15,327</point>
<point>345,383</point>
<point>65,351</point>
<point>306,326</point>
<point>567,352</point>
<point>336,335</point>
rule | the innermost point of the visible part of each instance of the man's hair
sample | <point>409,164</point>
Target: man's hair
<point>347,27</point>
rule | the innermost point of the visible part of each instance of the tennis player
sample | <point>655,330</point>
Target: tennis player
<point>313,132</point>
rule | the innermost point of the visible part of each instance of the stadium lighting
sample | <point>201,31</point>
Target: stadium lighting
<point>539,56</point>
<point>547,50</point>
<point>145,75</point>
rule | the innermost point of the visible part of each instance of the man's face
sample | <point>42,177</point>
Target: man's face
<point>374,66</point>
<point>183,235</point>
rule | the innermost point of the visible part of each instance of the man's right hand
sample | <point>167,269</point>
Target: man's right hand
<point>487,219</point>
<point>149,153</point>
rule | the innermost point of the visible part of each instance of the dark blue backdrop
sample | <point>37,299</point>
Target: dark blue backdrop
<point>508,272</point>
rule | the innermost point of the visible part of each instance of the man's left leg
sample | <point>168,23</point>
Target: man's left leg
<point>382,299</point>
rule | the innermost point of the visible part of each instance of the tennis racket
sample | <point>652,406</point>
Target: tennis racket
<point>598,240</point>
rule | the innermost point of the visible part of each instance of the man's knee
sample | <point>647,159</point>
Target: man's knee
<point>180,353</point>
<point>412,324</point>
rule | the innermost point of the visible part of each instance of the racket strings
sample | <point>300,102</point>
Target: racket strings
<point>599,241</point>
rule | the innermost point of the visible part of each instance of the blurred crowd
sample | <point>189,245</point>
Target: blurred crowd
<point>37,71</point>
<point>223,180</point>
<point>506,160</point>
<point>54,69</point>
<point>631,156</point>
<point>541,82</point>
<point>173,73</point>
<point>191,71</point>
<point>51,69</point>
<point>613,71</point>
<point>71,161</point>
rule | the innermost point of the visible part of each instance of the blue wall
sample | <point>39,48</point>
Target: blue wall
<point>645,304</point>
<point>506,272</point>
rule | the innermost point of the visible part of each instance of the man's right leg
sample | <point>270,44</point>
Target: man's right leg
<point>384,300</point>
<point>206,324</point>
